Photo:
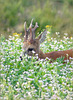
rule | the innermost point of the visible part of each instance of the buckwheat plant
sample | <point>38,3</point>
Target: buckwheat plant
<point>34,78</point>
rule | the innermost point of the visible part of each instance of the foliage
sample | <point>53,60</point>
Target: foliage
<point>57,13</point>
<point>32,78</point>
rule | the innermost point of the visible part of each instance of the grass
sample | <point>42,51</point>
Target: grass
<point>31,79</point>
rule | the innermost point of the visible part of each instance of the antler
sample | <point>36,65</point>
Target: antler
<point>30,27</point>
<point>31,33</point>
<point>36,26</point>
<point>32,30</point>
<point>31,23</point>
<point>26,33</point>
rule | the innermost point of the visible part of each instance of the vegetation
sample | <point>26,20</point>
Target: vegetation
<point>58,13</point>
<point>31,78</point>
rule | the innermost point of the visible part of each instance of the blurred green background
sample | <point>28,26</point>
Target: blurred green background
<point>58,13</point>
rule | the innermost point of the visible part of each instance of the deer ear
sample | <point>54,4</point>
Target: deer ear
<point>42,36</point>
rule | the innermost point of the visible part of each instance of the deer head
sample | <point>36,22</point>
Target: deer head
<point>31,43</point>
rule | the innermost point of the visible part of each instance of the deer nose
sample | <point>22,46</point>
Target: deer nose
<point>30,49</point>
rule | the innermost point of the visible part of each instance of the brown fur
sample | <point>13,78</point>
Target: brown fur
<point>56,54</point>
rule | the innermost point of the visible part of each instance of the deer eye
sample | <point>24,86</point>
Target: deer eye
<point>30,49</point>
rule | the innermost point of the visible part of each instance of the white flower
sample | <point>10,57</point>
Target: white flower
<point>66,34</point>
<point>24,95</point>
<point>33,51</point>
<point>57,33</point>
<point>17,83</point>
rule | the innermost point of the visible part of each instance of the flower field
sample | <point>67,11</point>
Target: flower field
<point>33,79</point>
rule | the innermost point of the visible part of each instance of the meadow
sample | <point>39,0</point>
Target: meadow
<point>32,79</point>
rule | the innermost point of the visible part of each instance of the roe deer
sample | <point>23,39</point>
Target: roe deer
<point>33,44</point>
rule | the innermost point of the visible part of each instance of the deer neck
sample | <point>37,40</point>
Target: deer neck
<point>41,55</point>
